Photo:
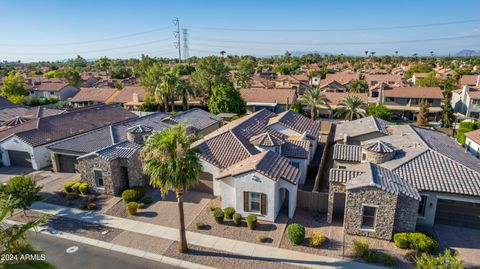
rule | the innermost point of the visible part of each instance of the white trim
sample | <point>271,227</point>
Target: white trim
<point>459,199</point>
<point>95,177</point>
<point>374,217</point>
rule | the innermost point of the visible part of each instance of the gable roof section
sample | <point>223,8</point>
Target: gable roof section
<point>297,149</point>
<point>268,96</point>
<point>198,118</point>
<point>268,164</point>
<point>334,98</point>
<point>341,77</point>
<point>93,94</point>
<point>361,126</point>
<point>4,103</point>
<point>342,175</point>
<point>125,149</point>
<point>470,80</point>
<point>50,86</point>
<point>414,92</point>
<point>298,123</point>
<point>351,153</point>
<point>126,94</point>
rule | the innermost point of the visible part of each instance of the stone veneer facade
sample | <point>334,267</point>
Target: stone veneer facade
<point>112,173</point>
<point>376,157</point>
<point>334,187</point>
<point>406,215</point>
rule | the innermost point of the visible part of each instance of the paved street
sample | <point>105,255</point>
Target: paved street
<point>88,256</point>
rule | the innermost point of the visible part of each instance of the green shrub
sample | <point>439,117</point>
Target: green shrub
<point>218,215</point>
<point>361,248</point>
<point>83,206</point>
<point>262,238</point>
<point>75,187</point>
<point>443,260</point>
<point>371,257</point>
<point>417,241</point>
<point>68,186</point>
<point>251,222</point>
<point>23,189</point>
<point>296,233</point>
<point>317,239</point>
<point>92,206</point>
<point>387,259</point>
<point>133,194</point>
<point>132,208</point>
<point>148,200</point>
<point>200,225</point>
<point>411,255</point>
<point>141,205</point>
<point>71,196</point>
<point>237,219</point>
<point>229,211</point>
<point>83,188</point>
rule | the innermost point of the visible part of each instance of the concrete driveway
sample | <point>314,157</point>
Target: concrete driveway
<point>10,171</point>
<point>465,241</point>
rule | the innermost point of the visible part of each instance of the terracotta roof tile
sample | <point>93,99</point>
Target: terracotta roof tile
<point>93,94</point>
<point>414,92</point>
<point>273,96</point>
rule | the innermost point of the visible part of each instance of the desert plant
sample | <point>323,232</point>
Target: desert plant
<point>133,194</point>
<point>237,219</point>
<point>92,206</point>
<point>83,188</point>
<point>262,238</point>
<point>415,240</point>
<point>229,211</point>
<point>218,215</point>
<point>361,249</point>
<point>200,225</point>
<point>296,233</point>
<point>141,205</point>
<point>132,208</point>
<point>371,257</point>
<point>317,239</point>
<point>445,260</point>
<point>411,255</point>
<point>23,189</point>
<point>251,222</point>
<point>68,186</point>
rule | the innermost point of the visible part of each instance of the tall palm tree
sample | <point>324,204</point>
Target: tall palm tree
<point>223,53</point>
<point>366,53</point>
<point>172,163</point>
<point>314,98</point>
<point>169,82</point>
<point>184,90</point>
<point>351,107</point>
<point>104,64</point>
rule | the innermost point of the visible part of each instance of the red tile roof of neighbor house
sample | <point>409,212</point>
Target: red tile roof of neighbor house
<point>469,80</point>
<point>93,94</point>
<point>334,98</point>
<point>342,77</point>
<point>383,78</point>
<point>414,92</point>
<point>474,93</point>
<point>126,94</point>
<point>272,96</point>
<point>50,86</point>
<point>474,136</point>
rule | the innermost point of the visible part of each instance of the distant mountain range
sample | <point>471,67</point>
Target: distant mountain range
<point>468,53</point>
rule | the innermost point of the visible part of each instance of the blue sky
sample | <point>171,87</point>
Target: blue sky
<point>60,29</point>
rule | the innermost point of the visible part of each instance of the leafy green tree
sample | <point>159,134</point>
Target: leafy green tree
<point>185,69</point>
<point>465,127</point>
<point>246,68</point>
<point>209,71</point>
<point>226,99</point>
<point>357,86</point>
<point>152,81</point>
<point>78,63</point>
<point>313,98</point>
<point>71,76</point>
<point>103,64</point>
<point>23,189</point>
<point>351,107</point>
<point>379,111</point>
<point>184,89</point>
<point>286,69</point>
<point>422,116</point>
<point>13,239</point>
<point>296,107</point>
<point>430,80</point>
<point>444,260</point>
<point>172,163</point>
<point>13,86</point>
<point>118,70</point>
<point>418,68</point>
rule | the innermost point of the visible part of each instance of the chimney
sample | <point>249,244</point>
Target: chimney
<point>135,98</point>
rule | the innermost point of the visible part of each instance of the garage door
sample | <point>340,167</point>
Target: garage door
<point>458,213</point>
<point>19,158</point>
<point>66,163</point>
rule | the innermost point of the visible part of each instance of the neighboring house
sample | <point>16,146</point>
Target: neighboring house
<point>404,102</point>
<point>17,115</point>
<point>297,82</point>
<point>337,82</point>
<point>472,142</point>
<point>417,76</point>
<point>469,80</point>
<point>60,90</point>
<point>356,131</point>
<point>200,121</point>
<point>275,100</point>
<point>130,97</point>
<point>334,99</point>
<point>256,163</point>
<point>466,101</point>
<point>26,144</point>
<point>406,176</point>
<point>374,80</point>
<point>93,96</point>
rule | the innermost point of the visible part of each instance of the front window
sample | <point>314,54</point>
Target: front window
<point>255,201</point>
<point>421,205</point>
<point>99,178</point>
<point>368,217</point>
<point>414,101</point>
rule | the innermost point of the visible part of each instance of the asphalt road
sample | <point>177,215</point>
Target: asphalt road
<point>88,256</point>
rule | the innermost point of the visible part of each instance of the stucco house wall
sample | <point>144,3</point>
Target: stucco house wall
<point>472,147</point>
<point>212,169</point>
<point>40,155</point>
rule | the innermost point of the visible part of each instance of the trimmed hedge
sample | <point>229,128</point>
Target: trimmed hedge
<point>133,194</point>
<point>296,233</point>
<point>317,239</point>
<point>218,215</point>
<point>251,222</point>
<point>237,219</point>
<point>229,211</point>
<point>68,186</point>
<point>83,188</point>
<point>75,187</point>
<point>417,241</point>
<point>132,208</point>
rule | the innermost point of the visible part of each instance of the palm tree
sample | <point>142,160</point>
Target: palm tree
<point>169,81</point>
<point>366,53</point>
<point>223,53</point>
<point>104,65</point>
<point>351,107</point>
<point>172,163</point>
<point>431,53</point>
<point>184,90</point>
<point>314,98</point>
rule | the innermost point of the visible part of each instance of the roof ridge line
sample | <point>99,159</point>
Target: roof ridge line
<point>243,146</point>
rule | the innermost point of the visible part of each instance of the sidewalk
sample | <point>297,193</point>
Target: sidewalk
<point>256,251</point>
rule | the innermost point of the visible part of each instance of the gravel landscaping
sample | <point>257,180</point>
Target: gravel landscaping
<point>142,242</point>
<point>229,230</point>
<point>334,236</point>
<point>59,198</point>
<point>220,259</point>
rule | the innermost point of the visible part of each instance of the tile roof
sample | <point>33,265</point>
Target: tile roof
<point>334,98</point>
<point>342,175</point>
<point>126,94</point>
<point>266,140</point>
<point>125,150</point>
<point>50,86</point>
<point>266,163</point>
<point>4,103</point>
<point>270,96</point>
<point>384,179</point>
<point>197,118</point>
<point>298,123</point>
<point>352,153</point>
<point>414,92</point>
<point>93,94</point>
<point>298,149</point>
<point>474,136</point>
<point>470,80</point>
<point>341,77</point>
<point>379,147</point>
<point>361,126</point>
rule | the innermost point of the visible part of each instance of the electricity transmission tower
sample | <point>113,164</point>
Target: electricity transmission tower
<point>185,43</point>
<point>176,34</point>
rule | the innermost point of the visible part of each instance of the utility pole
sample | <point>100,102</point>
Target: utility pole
<point>176,34</point>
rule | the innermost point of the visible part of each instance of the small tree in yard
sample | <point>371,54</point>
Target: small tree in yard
<point>226,99</point>
<point>444,260</point>
<point>172,163</point>
<point>422,116</point>
<point>23,189</point>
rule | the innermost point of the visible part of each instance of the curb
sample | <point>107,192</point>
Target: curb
<point>118,248</point>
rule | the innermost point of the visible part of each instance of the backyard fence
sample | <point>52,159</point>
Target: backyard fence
<point>313,201</point>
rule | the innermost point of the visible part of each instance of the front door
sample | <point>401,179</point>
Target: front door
<point>125,179</point>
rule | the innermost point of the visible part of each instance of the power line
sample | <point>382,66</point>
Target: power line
<point>88,42</point>
<point>336,29</point>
